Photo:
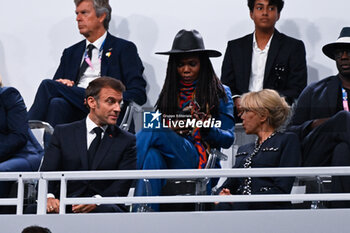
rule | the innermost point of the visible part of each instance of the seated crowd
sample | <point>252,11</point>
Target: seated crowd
<point>96,76</point>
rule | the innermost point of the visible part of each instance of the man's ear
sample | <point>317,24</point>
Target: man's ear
<point>102,17</point>
<point>90,102</point>
<point>278,16</point>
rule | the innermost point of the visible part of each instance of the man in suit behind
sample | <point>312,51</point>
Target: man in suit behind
<point>265,58</point>
<point>61,100</point>
<point>322,118</point>
<point>72,149</point>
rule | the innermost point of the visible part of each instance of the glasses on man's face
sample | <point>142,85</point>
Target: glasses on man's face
<point>340,52</point>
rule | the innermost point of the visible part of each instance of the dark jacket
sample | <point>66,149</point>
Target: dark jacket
<point>321,100</point>
<point>318,100</point>
<point>16,139</point>
<point>123,63</point>
<point>285,70</point>
<point>68,152</point>
<point>281,150</point>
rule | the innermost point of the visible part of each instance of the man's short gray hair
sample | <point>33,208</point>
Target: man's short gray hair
<point>101,7</point>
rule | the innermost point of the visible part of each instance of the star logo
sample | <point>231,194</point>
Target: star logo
<point>155,115</point>
<point>151,120</point>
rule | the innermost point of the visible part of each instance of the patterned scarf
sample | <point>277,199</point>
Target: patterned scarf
<point>187,97</point>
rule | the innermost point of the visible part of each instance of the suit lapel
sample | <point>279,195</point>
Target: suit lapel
<point>273,51</point>
<point>107,49</point>
<point>77,57</point>
<point>104,147</point>
<point>247,60</point>
<point>80,135</point>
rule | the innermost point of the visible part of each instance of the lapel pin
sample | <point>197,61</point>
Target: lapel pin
<point>108,54</point>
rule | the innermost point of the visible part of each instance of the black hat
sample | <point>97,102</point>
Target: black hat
<point>189,42</point>
<point>342,42</point>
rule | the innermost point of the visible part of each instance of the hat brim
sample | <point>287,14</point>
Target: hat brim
<point>209,52</point>
<point>329,49</point>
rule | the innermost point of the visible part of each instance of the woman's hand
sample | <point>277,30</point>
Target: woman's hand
<point>185,113</point>
<point>182,130</point>
<point>224,192</point>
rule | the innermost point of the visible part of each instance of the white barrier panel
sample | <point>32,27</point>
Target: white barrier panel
<point>281,221</point>
<point>272,221</point>
<point>44,177</point>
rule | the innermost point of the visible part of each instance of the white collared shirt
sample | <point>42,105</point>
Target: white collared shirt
<point>90,133</point>
<point>93,72</point>
<point>259,58</point>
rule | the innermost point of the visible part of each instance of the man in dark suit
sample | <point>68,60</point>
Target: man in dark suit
<point>322,118</point>
<point>61,100</point>
<point>265,58</point>
<point>94,143</point>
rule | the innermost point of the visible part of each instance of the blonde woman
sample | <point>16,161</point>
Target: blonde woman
<point>263,113</point>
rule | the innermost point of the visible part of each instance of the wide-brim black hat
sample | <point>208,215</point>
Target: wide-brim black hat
<point>189,42</point>
<point>343,41</point>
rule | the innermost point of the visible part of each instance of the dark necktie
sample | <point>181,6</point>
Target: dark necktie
<point>94,144</point>
<point>85,65</point>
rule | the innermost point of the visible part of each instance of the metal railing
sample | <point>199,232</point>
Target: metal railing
<point>44,177</point>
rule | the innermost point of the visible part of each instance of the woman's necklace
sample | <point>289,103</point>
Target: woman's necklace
<point>247,189</point>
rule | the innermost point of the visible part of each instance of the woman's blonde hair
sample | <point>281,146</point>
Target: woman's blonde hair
<point>267,103</point>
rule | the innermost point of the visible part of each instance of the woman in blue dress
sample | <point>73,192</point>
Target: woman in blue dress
<point>196,112</point>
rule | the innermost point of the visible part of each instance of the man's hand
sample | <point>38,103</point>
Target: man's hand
<point>66,82</point>
<point>53,205</point>
<point>83,208</point>
<point>318,122</point>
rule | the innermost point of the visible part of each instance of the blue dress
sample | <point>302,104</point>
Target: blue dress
<point>165,149</point>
